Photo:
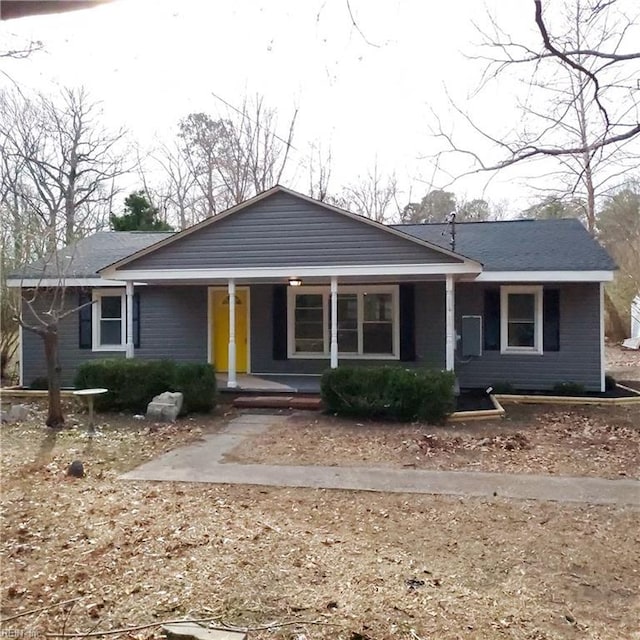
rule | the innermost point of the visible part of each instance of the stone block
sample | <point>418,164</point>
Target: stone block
<point>17,413</point>
<point>165,407</point>
<point>162,412</point>
<point>170,397</point>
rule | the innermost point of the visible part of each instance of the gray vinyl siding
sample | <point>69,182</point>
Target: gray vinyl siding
<point>429,322</point>
<point>283,231</point>
<point>173,325</point>
<point>578,359</point>
<point>430,325</point>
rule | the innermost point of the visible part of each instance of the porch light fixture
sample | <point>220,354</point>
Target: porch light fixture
<point>295,282</point>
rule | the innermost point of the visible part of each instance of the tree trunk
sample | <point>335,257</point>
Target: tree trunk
<point>55,418</point>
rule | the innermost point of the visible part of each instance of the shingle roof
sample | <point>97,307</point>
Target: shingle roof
<point>521,245</point>
<point>83,259</point>
<point>512,245</point>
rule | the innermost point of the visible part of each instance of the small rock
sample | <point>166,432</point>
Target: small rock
<point>17,413</point>
<point>76,469</point>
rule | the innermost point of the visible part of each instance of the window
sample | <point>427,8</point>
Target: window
<point>521,319</point>
<point>109,320</point>
<point>367,322</point>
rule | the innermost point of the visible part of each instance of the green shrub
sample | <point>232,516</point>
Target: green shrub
<point>131,383</point>
<point>503,387</point>
<point>389,393</point>
<point>568,389</point>
<point>197,382</point>
<point>610,383</point>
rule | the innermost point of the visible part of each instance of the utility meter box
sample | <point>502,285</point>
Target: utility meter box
<point>471,336</point>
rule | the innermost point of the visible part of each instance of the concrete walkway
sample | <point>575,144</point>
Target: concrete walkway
<point>203,462</point>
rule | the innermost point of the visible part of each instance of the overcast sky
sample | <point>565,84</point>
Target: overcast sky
<point>152,62</point>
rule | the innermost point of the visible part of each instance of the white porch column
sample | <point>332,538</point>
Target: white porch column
<point>334,322</point>
<point>129,296</point>
<point>603,383</point>
<point>450,324</point>
<point>231,376</point>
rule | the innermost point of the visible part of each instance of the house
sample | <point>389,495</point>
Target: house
<point>285,285</point>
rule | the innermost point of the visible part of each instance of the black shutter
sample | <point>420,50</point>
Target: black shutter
<point>407,322</point>
<point>84,320</point>
<point>279,321</point>
<point>492,319</point>
<point>551,314</point>
<point>136,320</point>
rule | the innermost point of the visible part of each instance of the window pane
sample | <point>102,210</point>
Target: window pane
<point>377,337</point>
<point>309,324</point>
<point>378,307</point>
<point>348,309</point>
<point>111,307</point>
<point>309,345</point>
<point>309,315</point>
<point>308,300</point>
<point>309,330</point>
<point>522,334</point>
<point>348,323</point>
<point>522,306</point>
<point>110,332</point>
<point>347,341</point>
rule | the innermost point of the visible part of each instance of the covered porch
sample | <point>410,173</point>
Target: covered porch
<point>278,335</point>
<point>271,383</point>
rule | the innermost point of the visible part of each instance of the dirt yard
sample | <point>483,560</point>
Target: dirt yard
<point>623,364</point>
<point>307,564</point>
<point>562,440</point>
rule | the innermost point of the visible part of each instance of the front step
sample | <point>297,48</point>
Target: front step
<point>311,403</point>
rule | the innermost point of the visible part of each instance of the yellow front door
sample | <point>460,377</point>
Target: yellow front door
<point>219,317</point>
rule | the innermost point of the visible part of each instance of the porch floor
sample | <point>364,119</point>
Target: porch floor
<point>271,383</point>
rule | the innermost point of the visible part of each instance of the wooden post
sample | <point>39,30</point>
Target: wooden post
<point>450,324</point>
<point>334,322</point>
<point>129,305</point>
<point>232,382</point>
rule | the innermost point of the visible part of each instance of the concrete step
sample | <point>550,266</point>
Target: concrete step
<point>280,401</point>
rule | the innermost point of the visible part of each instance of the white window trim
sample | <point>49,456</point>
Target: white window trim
<point>96,296</point>
<point>505,291</point>
<point>326,306</point>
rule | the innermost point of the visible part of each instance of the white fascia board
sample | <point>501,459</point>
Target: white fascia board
<point>297,271</point>
<point>34,283</point>
<point>545,276</point>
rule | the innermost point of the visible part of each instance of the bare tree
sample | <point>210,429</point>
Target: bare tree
<point>375,195</point>
<point>319,172</point>
<point>68,161</point>
<point>580,107</point>
<point>236,156</point>
<point>176,194</point>
<point>581,110</point>
<point>40,308</point>
<point>58,172</point>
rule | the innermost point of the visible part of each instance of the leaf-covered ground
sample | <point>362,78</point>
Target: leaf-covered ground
<point>335,564</point>
<point>559,440</point>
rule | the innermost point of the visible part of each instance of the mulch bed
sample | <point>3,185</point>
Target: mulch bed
<point>473,400</point>
<point>618,392</point>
